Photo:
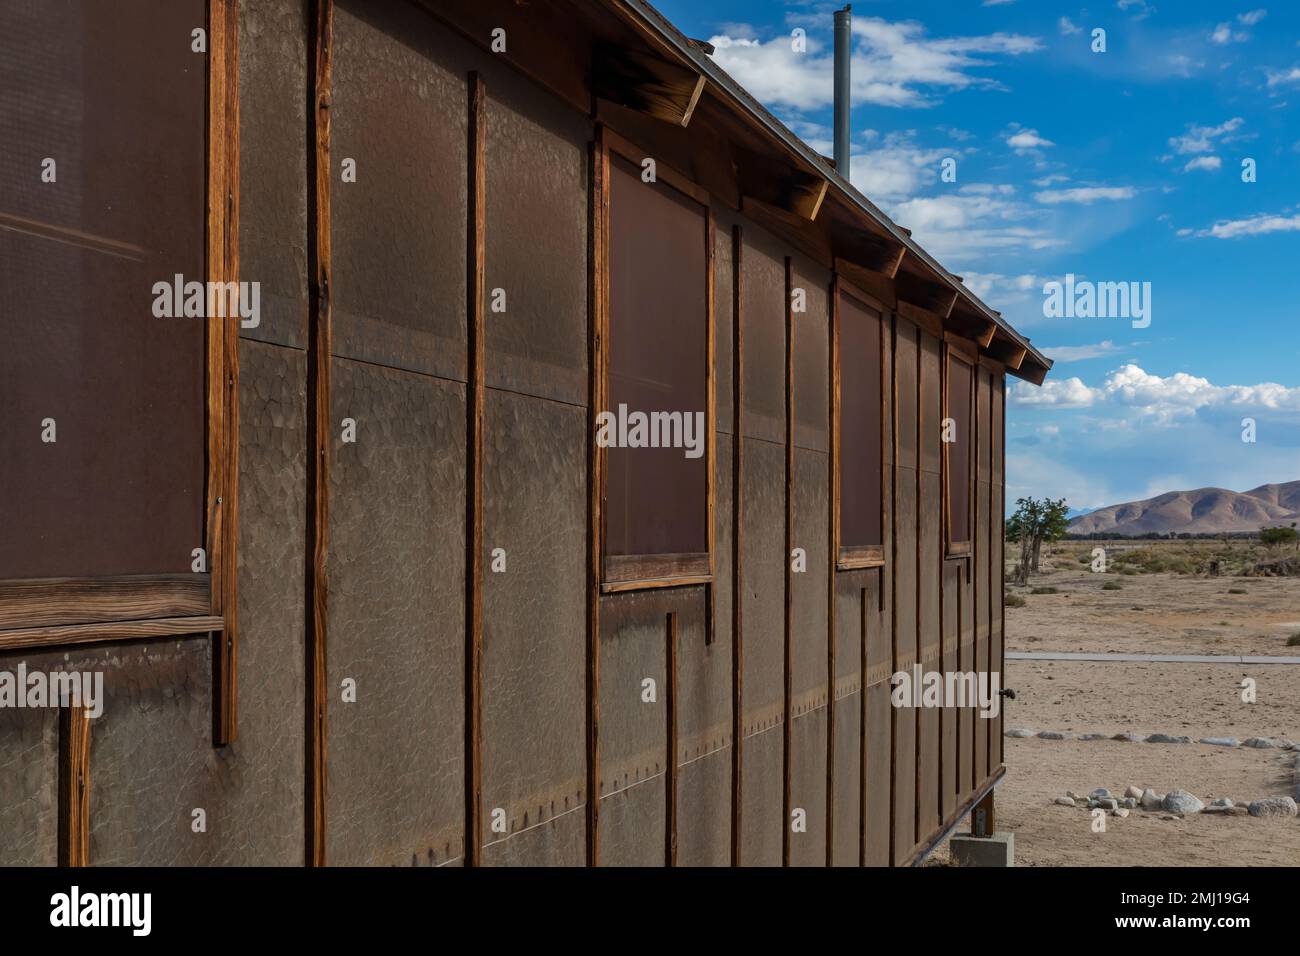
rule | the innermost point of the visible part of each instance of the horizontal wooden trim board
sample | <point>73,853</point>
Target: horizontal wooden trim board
<point>111,631</point>
<point>853,558</point>
<point>621,568</point>
<point>48,602</point>
<point>683,581</point>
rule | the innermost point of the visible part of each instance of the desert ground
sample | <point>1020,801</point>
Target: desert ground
<point>1158,612</point>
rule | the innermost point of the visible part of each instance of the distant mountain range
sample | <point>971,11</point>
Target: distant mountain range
<point>1203,511</point>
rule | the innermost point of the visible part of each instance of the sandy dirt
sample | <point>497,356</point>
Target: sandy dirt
<point>1152,613</point>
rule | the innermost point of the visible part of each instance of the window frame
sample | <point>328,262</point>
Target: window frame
<point>961,350</point>
<point>640,572</point>
<point>854,557</point>
<point>64,611</point>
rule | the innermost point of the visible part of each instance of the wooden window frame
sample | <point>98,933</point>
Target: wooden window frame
<point>641,572</point>
<point>961,350</point>
<point>53,612</point>
<point>857,556</point>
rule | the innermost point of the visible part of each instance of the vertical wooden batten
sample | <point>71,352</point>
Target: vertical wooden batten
<point>476,347</point>
<point>737,548</point>
<point>222,265</point>
<point>597,325</point>
<point>320,349</point>
<point>832,540</point>
<point>670,784</point>
<point>74,787</point>
<point>787,802</point>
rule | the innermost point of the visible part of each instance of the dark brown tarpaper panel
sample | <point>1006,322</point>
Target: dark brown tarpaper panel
<point>262,804</point>
<point>152,763</point>
<point>762,794</point>
<point>396,619</point>
<point>534,626</point>
<point>29,777</point>
<point>998,571</point>
<point>958,451</point>
<point>950,716</point>
<point>536,187</point>
<point>723,318</point>
<point>656,496</point>
<point>812,357</point>
<point>634,724</point>
<point>400,111</point>
<point>860,424</point>
<point>848,779</point>
<point>704,810</point>
<point>966,652</point>
<point>111,93</point>
<point>763,504</point>
<point>905,582</point>
<point>273,166</point>
<point>764,316</point>
<point>930,529</point>
<point>981,560</point>
<point>703,715</point>
<point>809,586</point>
<point>808,787</point>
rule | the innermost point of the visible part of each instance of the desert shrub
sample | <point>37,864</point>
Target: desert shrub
<point>1043,590</point>
<point>1013,600</point>
<point>1293,640</point>
<point>1236,590</point>
<point>1111,586</point>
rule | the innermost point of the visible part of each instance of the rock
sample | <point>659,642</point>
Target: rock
<point>1127,737</point>
<point>1273,807</point>
<point>1101,793</point>
<point>1121,812</point>
<point>1151,800</point>
<point>1223,802</point>
<point>1051,735</point>
<point>1129,803</point>
<point>1168,739</point>
<point>1065,801</point>
<point>1167,816</point>
<point>1108,803</point>
<point>1220,741</point>
<point>1072,795</point>
<point>1260,743</point>
<point>1020,732</point>
<point>1092,736</point>
<point>1180,801</point>
<point>1283,744</point>
<point>1133,791</point>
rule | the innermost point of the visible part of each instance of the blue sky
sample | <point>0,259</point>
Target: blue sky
<point>1123,165</point>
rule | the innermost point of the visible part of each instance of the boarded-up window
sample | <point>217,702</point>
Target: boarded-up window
<point>102,195</point>
<point>957,436</point>
<point>860,331</point>
<point>656,496</point>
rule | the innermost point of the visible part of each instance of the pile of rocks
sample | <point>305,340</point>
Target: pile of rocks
<point>1178,803</point>
<point>1258,743</point>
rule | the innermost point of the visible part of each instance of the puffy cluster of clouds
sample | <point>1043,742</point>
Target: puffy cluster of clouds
<point>1258,225</point>
<point>1163,398</point>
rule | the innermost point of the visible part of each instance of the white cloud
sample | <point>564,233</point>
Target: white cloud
<point>1050,180</point>
<point>1251,17</point>
<point>1200,139</point>
<point>1262,224</point>
<point>964,226</point>
<point>1207,163</point>
<point>894,64</point>
<point>1067,27</point>
<point>1026,140</point>
<point>1085,194</point>
<point>987,285</point>
<point>1283,77</point>
<point>1165,399</point>
<point>898,168</point>
<point>1140,8</point>
<point>1223,34</point>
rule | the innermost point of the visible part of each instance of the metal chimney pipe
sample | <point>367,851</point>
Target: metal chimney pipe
<point>843,38</point>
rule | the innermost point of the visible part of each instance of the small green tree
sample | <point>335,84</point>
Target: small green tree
<point>1052,525</point>
<point>1278,537</point>
<point>1034,522</point>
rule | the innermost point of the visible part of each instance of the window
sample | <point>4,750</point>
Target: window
<point>859,344</point>
<point>959,384</point>
<point>655,428</point>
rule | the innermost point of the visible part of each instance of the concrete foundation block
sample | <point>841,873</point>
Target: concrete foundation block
<point>996,850</point>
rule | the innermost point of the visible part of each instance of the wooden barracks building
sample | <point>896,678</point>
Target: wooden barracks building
<point>368,574</point>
